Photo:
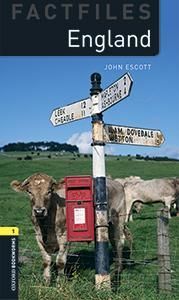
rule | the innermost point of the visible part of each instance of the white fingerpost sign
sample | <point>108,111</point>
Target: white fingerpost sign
<point>116,134</point>
<point>75,111</point>
<point>116,92</point>
<point>84,108</point>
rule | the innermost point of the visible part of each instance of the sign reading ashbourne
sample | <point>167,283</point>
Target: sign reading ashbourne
<point>116,92</point>
<point>133,136</point>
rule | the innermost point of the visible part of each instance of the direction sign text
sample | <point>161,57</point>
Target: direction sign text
<point>117,91</point>
<point>72,112</point>
<point>133,136</point>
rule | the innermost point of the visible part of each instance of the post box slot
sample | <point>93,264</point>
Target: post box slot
<point>75,194</point>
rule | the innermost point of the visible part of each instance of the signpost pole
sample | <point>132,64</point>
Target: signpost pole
<point>102,276</point>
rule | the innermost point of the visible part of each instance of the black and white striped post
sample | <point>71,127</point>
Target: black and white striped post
<point>102,276</point>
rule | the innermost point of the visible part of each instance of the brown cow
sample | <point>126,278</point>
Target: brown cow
<point>49,218</point>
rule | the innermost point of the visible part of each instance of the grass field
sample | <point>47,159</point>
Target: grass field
<point>139,279</point>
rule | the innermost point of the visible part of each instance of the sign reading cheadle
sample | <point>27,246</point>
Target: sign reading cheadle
<point>75,111</point>
<point>133,136</point>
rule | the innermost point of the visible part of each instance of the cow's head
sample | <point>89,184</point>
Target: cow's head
<point>40,188</point>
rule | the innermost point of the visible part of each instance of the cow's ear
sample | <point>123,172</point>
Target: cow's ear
<point>58,185</point>
<point>17,186</point>
<point>61,183</point>
<point>20,186</point>
<point>59,188</point>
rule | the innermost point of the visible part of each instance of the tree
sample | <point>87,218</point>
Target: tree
<point>40,146</point>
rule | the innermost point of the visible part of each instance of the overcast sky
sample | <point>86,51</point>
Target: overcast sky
<point>31,87</point>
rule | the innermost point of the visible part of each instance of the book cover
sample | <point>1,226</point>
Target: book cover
<point>88,92</point>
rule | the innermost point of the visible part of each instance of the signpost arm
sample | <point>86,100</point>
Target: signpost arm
<point>102,276</point>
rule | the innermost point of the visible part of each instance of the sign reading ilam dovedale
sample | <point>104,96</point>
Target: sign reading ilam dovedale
<point>116,134</point>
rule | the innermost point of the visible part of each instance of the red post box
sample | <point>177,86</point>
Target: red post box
<point>79,208</point>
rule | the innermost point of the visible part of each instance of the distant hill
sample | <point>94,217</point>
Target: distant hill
<point>39,146</point>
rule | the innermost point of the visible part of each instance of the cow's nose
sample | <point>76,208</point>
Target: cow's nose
<point>40,211</point>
